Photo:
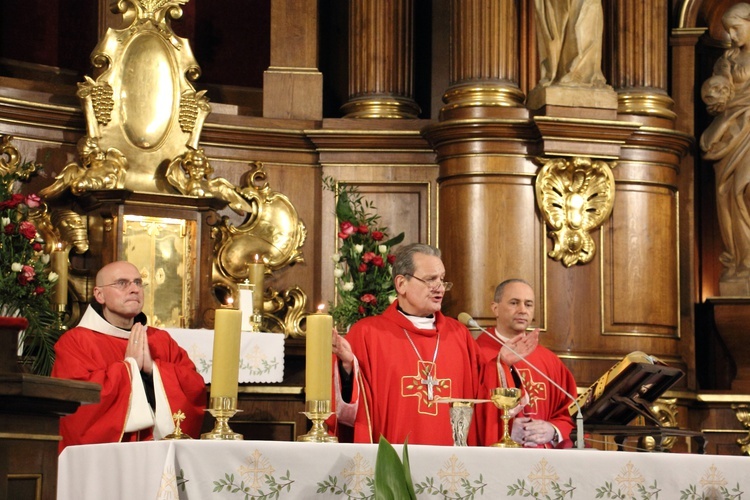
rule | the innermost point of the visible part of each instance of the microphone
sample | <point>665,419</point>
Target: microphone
<point>467,320</point>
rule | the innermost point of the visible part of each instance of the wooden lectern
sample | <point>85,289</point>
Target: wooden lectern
<point>626,391</point>
<point>30,410</point>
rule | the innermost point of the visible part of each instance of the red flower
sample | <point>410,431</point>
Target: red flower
<point>363,229</point>
<point>27,230</point>
<point>15,200</point>
<point>369,298</point>
<point>361,310</point>
<point>26,275</point>
<point>347,229</point>
<point>377,235</point>
<point>36,246</point>
<point>368,256</point>
<point>362,268</point>
<point>391,258</point>
<point>377,261</point>
<point>9,228</point>
<point>39,290</point>
<point>33,201</point>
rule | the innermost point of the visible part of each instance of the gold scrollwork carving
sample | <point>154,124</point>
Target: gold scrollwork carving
<point>742,412</point>
<point>272,229</point>
<point>664,411</point>
<point>575,197</point>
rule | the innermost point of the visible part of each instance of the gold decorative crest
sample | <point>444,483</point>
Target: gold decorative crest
<point>575,197</point>
<point>141,110</point>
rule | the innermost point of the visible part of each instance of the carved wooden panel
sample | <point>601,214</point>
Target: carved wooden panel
<point>640,263</point>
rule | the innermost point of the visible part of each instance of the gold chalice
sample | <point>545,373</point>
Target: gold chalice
<point>506,398</point>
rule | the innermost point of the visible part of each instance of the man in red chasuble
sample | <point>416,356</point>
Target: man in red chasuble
<point>543,420</point>
<point>145,376</point>
<point>407,359</point>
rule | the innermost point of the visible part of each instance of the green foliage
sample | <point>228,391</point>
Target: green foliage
<point>25,280</point>
<point>392,477</point>
<point>364,281</point>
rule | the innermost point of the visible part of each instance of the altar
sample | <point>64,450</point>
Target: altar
<point>196,469</point>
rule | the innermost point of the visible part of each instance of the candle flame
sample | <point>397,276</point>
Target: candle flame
<point>230,301</point>
<point>321,307</point>
<point>257,258</point>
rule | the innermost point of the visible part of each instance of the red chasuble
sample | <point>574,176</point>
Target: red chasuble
<point>395,385</point>
<point>83,354</point>
<point>546,402</point>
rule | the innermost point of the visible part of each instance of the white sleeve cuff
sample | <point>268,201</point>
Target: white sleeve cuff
<point>346,413</point>
<point>140,415</point>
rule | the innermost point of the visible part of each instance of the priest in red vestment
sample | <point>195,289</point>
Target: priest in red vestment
<point>404,361</point>
<point>543,420</point>
<point>145,376</point>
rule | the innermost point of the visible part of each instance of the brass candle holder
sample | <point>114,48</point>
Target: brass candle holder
<point>222,409</point>
<point>318,411</point>
<point>255,321</point>
<point>506,398</point>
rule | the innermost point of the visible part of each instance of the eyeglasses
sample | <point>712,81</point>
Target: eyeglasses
<point>434,283</point>
<point>123,284</point>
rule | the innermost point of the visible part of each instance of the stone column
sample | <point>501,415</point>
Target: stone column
<point>381,60</point>
<point>639,59</point>
<point>483,57</point>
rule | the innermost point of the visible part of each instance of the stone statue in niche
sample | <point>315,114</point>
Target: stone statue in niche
<point>569,36</point>
<point>569,41</point>
<point>726,141</point>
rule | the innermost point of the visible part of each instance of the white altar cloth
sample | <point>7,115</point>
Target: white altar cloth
<point>204,469</point>
<point>261,354</point>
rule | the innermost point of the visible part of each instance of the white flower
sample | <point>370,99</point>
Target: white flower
<point>338,272</point>
<point>5,221</point>
<point>38,238</point>
<point>391,298</point>
<point>336,257</point>
<point>52,276</point>
<point>359,248</point>
<point>45,258</point>
<point>348,286</point>
<point>16,267</point>
<point>383,249</point>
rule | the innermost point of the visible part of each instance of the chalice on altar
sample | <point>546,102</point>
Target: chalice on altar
<point>506,398</point>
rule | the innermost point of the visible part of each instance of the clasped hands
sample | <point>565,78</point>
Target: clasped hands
<point>137,348</point>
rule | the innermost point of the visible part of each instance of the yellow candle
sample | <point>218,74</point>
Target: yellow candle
<point>59,264</point>
<point>246,305</point>
<point>318,357</point>
<point>226,360</point>
<point>255,274</point>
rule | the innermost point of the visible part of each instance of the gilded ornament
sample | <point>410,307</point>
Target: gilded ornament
<point>742,412</point>
<point>575,196</point>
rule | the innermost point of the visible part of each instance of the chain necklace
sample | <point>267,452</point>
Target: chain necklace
<point>430,381</point>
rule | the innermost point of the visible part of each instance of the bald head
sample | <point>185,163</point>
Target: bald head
<point>119,289</point>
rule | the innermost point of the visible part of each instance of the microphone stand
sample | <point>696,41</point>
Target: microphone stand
<point>471,323</point>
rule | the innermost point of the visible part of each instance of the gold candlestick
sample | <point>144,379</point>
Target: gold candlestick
<point>222,409</point>
<point>318,412</point>
<point>506,398</point>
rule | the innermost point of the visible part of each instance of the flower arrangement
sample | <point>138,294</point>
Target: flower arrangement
<point>362,270</point>
<point>25,282</point>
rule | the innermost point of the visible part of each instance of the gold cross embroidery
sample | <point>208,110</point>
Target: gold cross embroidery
<point>537,390</point>
<point>426,386</point>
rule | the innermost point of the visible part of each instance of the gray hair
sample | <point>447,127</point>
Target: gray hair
<point>404,263</point>
<point>501,287</point>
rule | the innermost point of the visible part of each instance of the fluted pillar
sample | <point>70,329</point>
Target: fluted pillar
<point>483,58</point>
<point>381,60</point>
<point>639,71</point>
